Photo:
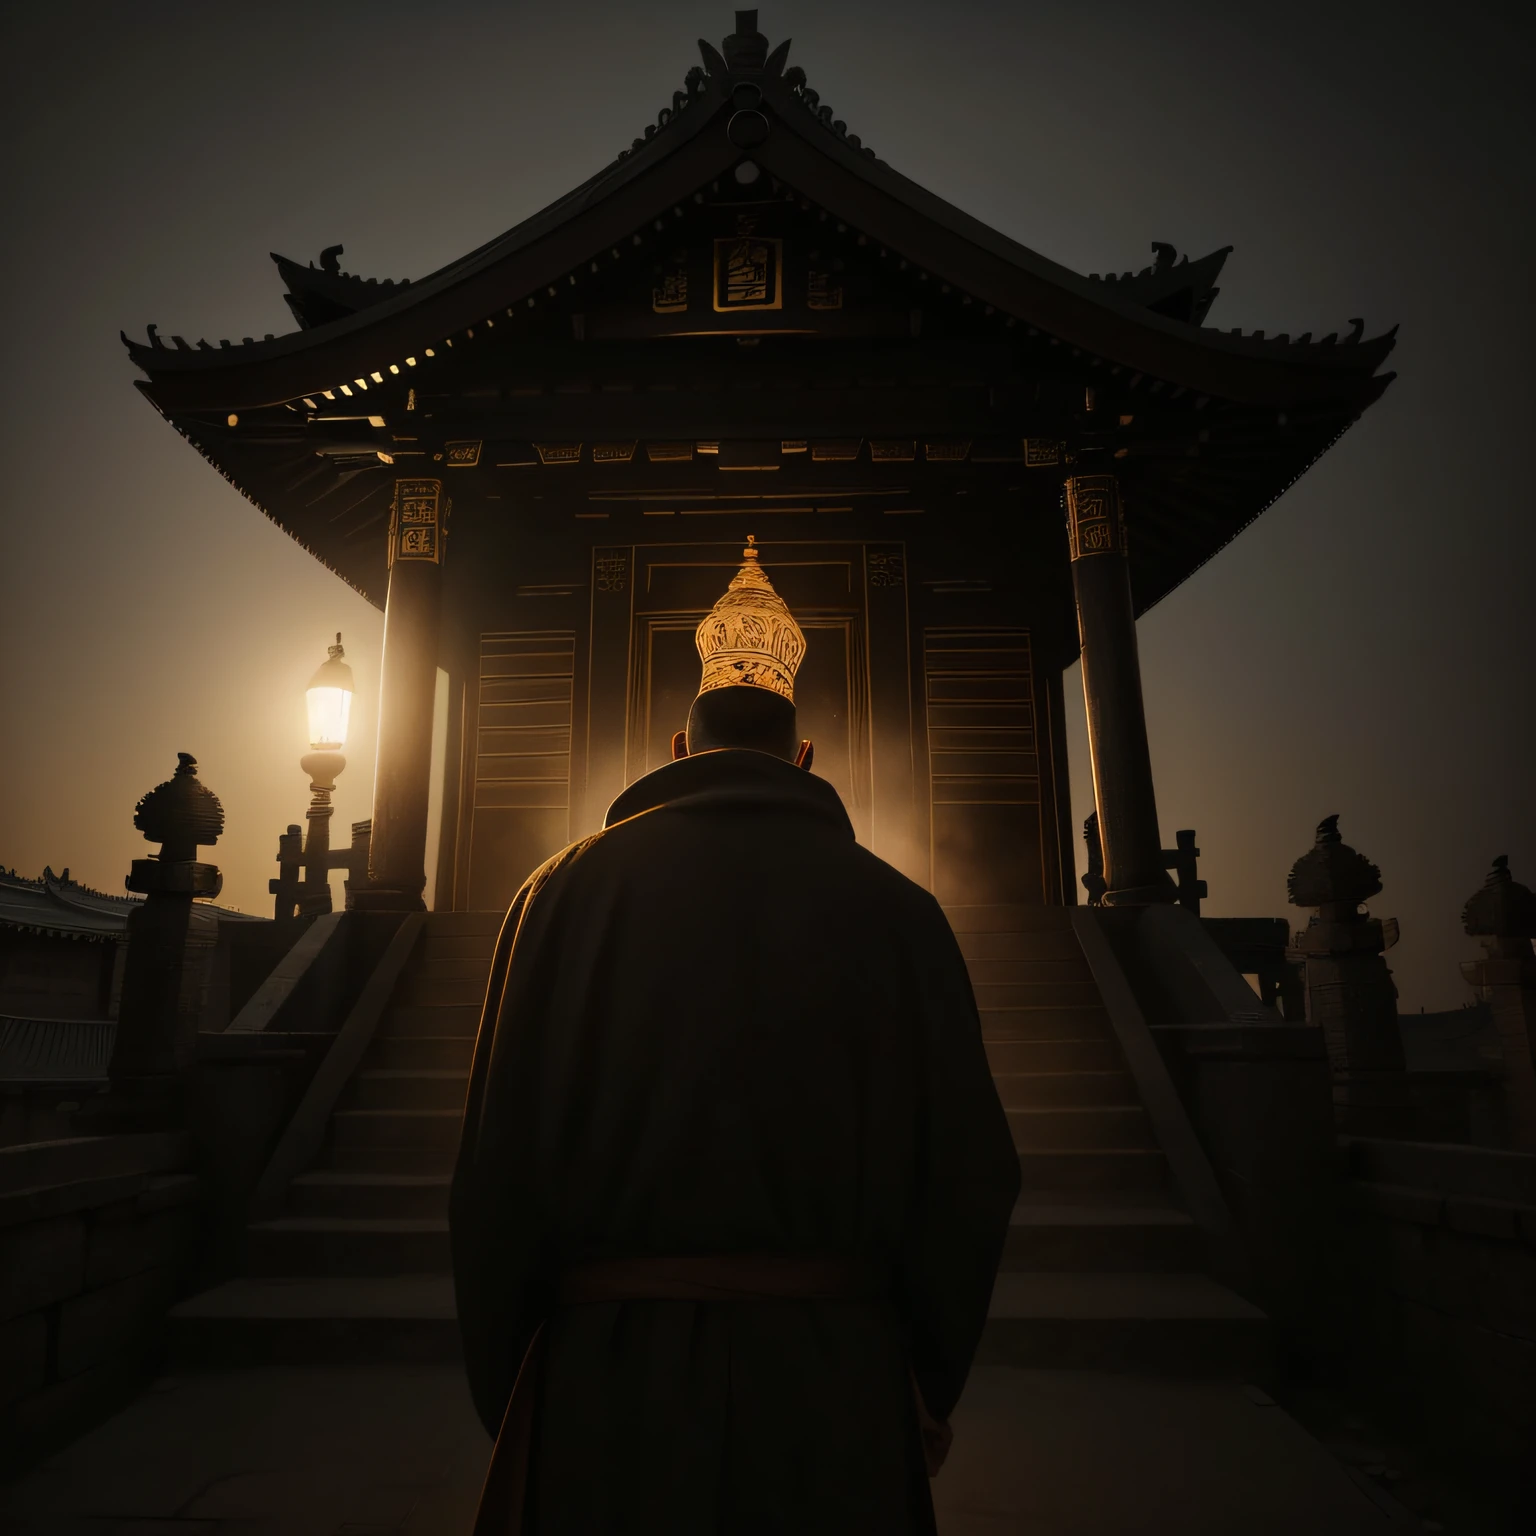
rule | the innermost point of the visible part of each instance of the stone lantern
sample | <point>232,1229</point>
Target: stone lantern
<point>171,942</point>
<point>1503,915</point>
<point>1350,993</point>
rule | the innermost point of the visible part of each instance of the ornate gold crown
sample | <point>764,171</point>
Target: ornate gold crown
<point>750,638</point>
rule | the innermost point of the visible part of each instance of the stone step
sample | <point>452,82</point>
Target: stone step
<point>1092,1168</point>
<point>1037,994</point>
<point>420,989</point>
<point>1096,1055</point>
<point>463,925</point>
<point>1175,1324</point>
<point>317,1320</point>
<point>1178,1324</point>
<point>429,1052</point>
<point>1046,1235</point>
<point>1009,919</point>
<point>1043,944</point>
<point>396,1127</point>
<point>406,1018</point>
<point>478,949</point>
<point>1062,1090</point>
<point>1054,1023</point>
<point>1090,1129</point>
<point>367,1157</point>
<point>424,969</point>
<point>333,1192</point>
<point>1030,971</point>
<point>394,1088</point>
<point>336,1245</point>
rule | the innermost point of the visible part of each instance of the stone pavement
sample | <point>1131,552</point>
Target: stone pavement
<point>360,1451</point>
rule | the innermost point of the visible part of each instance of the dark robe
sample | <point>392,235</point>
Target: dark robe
<point>721,1026</point>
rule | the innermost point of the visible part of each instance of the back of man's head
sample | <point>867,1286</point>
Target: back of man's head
<point>753,718</point>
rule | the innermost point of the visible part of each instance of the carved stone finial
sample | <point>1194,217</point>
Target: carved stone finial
<point>1503,908</point>
<point>180,813</point>
<point>1332,871</point>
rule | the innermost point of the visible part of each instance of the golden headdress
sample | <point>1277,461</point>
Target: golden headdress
<point>750,638</point>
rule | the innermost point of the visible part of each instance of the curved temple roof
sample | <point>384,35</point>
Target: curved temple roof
<point>1285,399</point>
<point>817,156</point>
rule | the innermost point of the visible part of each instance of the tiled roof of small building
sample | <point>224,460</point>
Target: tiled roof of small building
<point>62,908</point>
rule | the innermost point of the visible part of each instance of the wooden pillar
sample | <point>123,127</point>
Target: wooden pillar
<point>1117,726</point>
<point>397,858</point>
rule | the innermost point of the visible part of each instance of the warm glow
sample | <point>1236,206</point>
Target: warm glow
<point>329,700</point>
<point>328,712</point>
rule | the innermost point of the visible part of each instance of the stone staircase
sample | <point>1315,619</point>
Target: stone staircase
<point>357,1265</point>
<point>378,1202</point>
<point>1102,1269</point>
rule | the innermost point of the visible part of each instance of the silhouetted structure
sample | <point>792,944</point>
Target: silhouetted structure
<point>1183,859</point>
<point>298,870</point>
<point>1093,880</point>
<point>171,940</point>
<point>1503,915</point>
<point>545,457</point>
<point>1350,994</point>
<point>59,947</point>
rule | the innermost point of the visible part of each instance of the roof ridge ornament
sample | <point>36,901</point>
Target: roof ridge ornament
<point>746,48</point>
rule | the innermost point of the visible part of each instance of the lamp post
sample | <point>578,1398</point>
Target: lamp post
<point>329,702</point>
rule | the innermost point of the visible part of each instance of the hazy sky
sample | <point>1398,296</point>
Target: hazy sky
<point>1364,649</point>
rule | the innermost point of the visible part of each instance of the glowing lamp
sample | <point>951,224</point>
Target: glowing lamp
<point>329,699</point>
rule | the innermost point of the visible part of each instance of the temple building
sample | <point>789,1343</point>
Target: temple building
<point>962,463</point>
<point>749,354</point>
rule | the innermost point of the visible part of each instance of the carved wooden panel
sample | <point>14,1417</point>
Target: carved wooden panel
<point>984,768</point>
<point>522,775</point>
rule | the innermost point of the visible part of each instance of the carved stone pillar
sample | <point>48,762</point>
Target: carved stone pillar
<point>171,943</point>
<point>1350,993</point>
<point>397,858</point>
<point>1117,725</point>
<point>1503,915</point>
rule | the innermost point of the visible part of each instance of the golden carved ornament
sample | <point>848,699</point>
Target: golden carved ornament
<point>750,638</point>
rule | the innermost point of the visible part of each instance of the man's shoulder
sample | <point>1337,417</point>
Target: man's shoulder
<point>878,886</point>
<point>899,890</point>
<point>552,866</point>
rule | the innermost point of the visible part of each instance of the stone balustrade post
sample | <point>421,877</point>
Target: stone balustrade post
<point>1503,915</point>
<point>1093,881</point>
<point>171,942</point>
<point>1349,990</point>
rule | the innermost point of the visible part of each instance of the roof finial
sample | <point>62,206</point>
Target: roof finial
<point>746,47</point>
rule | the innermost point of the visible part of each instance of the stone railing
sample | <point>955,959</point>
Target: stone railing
<point>98,1235</point>
<point>1439,1266</point>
